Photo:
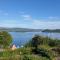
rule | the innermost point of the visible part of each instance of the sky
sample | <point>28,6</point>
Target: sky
<point>36,14</point>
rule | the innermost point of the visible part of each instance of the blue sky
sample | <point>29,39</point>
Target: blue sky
<point>37,14</point>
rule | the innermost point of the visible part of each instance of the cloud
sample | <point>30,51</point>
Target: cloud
<point>8,23</point>
<point>46,25</point>
<point>51,17</point>
<point>28,21</point>
<point>26,17</point>
<point>13,23</point>
<point>36,24</point>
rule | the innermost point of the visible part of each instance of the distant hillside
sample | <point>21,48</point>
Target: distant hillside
<point>19,29</point>
<point>54,30</point>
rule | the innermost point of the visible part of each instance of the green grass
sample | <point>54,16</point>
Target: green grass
<point>44,50</point>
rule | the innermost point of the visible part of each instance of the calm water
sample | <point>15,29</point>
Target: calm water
<point>20,38</point>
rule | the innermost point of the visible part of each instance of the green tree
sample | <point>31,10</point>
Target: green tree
<point>38,40</point>
<point>35,42</point>
<point>52,43</point>
<point>5,39</point>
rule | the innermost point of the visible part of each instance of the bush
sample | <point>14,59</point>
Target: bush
<point>5,39</point>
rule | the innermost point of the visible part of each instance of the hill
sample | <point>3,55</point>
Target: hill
<point>51,30</point>
<point>19,29</point>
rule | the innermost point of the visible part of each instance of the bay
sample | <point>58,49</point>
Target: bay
<point>21,38</point>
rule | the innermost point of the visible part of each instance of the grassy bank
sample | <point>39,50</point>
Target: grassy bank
<point>39,48</point>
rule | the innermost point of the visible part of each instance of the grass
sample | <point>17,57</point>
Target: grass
<point>44,50</point>
<point>20,54</point>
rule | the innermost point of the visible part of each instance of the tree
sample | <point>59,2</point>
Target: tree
<point>38,40</point>
<point>52,43</point>
<point>5,39</point>
<point>35,43</point>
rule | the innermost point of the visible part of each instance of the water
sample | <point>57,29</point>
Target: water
<point>20,38</point>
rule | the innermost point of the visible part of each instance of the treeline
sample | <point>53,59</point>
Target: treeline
<point>53,30</point>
